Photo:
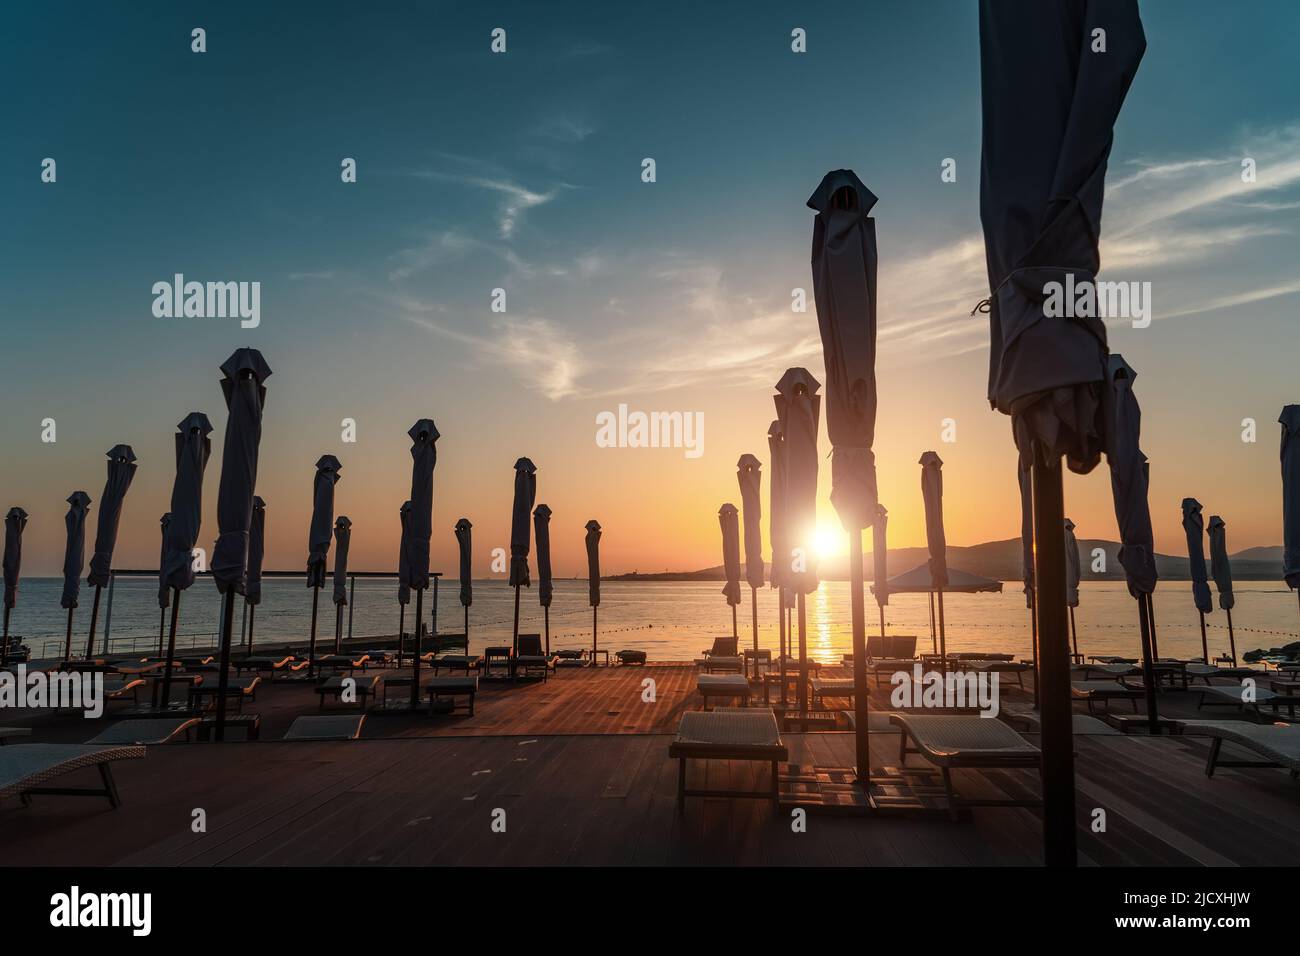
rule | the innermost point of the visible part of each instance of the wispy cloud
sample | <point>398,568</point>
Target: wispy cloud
<point>514,200</point>
<point>301,276</point>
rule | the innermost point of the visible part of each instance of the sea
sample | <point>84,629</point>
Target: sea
<point>671,621</point>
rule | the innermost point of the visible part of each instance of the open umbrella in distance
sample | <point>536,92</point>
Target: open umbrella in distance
<point>121,469</point>
<point>750,475</point>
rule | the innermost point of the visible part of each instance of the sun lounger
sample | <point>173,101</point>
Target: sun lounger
<point>630,657</point>
<point>1082,725</point>
<point>25,767</point>
<point>993,665</point>
<point>718,662</point>
<point>326,728</point>
<point>570,658</point>
<point>723,647</point>
<point>341,662</point>
<point>952,742</point>
<point>722,685</point>
<point>1086,672</point>
<point>363,686</point>
<point>264,664</point>
<point>380,657</point>
<point>1102,692</point>
<point>1235,674</point>
<point>1220,695</point>
<point>238,688</point>
<point>727,734</point>
<point>878,721</point>
<point>455,662</point>
<point>831,687</point>
<point>120,688</point>
<point>453,687</point>
<point>1280,743</point>
<point>145,731</point>
<point>531,657</point>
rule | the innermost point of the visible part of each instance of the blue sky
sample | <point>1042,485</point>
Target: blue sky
<point>521,171</point>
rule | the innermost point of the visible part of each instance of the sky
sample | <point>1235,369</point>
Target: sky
<point>522,171</point>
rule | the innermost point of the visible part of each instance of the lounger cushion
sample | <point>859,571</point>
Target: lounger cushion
<point>326,728</point>
<point>732,733</point>
<point>940,737</point>
<point>722,683</point>
<point>144,731</point>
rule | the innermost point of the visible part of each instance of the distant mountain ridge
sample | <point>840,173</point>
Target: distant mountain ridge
<point>1001,560</point>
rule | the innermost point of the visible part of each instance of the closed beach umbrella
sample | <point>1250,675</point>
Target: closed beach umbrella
<point>1221,571</point>
<point>15,523</point>
<point>1129,481</point>
<point>798,406</point>
<point>1027,560</point>
<point>520,531</point>
<point>193,449</point>
<point>935,538</point>
<point>464,544</point>
<point>1071,579</point>
<point>1290,419</point>
<point>1194,527</point>
<point>844,286</point>
<point>776,532</point>
<point>424,458</point>
<point>749,473</point>
<point>729,519</point>
<point>545,588</point>
<point>256,555</point>
<point>319,535</point>
<point>243,385</point>
<point>880,562</point>
<point>593,578</point>
<point>121,469</point>
<point>74,558</point>
<point>1050,104</point>
<point>342,541</point>
<point>403,580</point>
<point>164,592</point>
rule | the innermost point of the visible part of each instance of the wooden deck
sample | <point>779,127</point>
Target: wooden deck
<point>580,767</point>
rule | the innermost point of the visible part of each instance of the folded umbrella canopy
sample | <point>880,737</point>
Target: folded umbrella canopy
<point>74,557</point>
<point>749,474</point>
<point>256,555</point>
<point>193,449</point>
<point>729,520</point>
<point>342,541</point>
<point>121,469</point>
<point>844,287</point>
<point>424,458</point>
<point>403,568</point>
<point>1072,571</point>
<point>15,524</point>
<point>776,534</point>
<point>1050,103</point>
<point>243,385</point>
<point>1221,571</point>
<point>545,589</point>
<point>880,563</point>
<point>1129,483</point>
<point>520,531</point>
<point>798,406</point>
<point>1194,527</point>
<point>593,577</point>
<point>935,538</point>
<point>319,535</point>
<point>465,546</point>
<point>1290,420</point>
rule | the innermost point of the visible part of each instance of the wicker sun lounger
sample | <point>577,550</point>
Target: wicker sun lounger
<point>1280,743</point>
<point>721,662</point>
<point>25,767</point>
<point>722,685</point>
<point>145,731</point>
<point>263,664</point>
<point>326,728</point>
<point>363,686</point>
<point>831,687</point>
<point>1103,692</point>
<point>1082,725</point>
<point>453,687</point>
<point>1221,695</point>
<point>531,658</point>
<point>727,734</point>
<point>951,742</point>
<point>456,662</point>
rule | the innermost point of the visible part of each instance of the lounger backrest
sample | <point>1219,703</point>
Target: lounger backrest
<point>900,646</point>
<point>723,647</point>
<point>530,645</point>
<point>875,646</point>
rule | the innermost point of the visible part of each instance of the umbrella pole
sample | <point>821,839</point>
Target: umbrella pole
<point>546,617</point>
<point>94,619</point>
<point>1205,649</point>
<point>311,651</point>
<point>1033,643</point>
<point>252,613</point>
<point>753,604</point>
<point>943,636</point>
<point>802,601</point>
<point>934,634</point>
<point>783,639</point>
<point>162,627</point>
<point>593,635</point>
<point>338,628</point>
<point>1231,640</point>
<point>735,632</point>
<point>171,650</point>
<point>4,650</point>
<point>1059,847</point>
<point>1074,637</point>
<point>862,735</point>
<point>415,652</point>
<point>401,631</point>
<point>67,644</point>
<point>352,602</point>
<point>1148,663</point>
<point>223,675</point>
<point>548,635</point>
<point>515,641</point>
<point>1151,618</point>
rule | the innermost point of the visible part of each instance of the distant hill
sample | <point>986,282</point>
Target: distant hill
<point>1001,560</point>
